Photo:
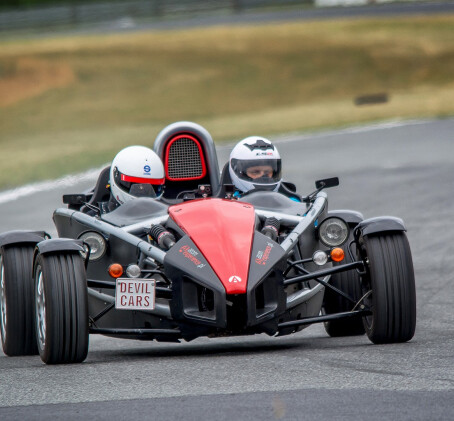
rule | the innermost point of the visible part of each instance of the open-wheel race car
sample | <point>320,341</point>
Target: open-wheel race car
<point>201,262</point>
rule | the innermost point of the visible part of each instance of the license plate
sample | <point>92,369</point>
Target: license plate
<point>135,294</point>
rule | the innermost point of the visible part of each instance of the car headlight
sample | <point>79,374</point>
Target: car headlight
<point>333,232</point>
<point>96,242</point>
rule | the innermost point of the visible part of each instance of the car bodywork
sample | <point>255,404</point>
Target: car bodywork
<point>221,273</point>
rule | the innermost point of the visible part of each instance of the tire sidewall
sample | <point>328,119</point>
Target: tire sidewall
<point>4,328</point>
<point>40,268</point>
<point>62,321</point>
<point>18,337</point>
<point>389,276</point>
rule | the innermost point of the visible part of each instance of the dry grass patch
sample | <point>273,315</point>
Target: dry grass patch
<point>27,77</point>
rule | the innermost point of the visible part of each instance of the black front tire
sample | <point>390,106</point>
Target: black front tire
<point>350,283</point>
<point>61,305</point>
<point>16,300</point>
<point>391,281</point>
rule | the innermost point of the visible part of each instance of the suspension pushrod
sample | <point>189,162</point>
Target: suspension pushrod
<point>135,331</point>
<point>327,285</point>
<point>325,318</point>
<point>322,273</point>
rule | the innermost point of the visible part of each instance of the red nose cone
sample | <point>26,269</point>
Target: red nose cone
<point>223,231</point>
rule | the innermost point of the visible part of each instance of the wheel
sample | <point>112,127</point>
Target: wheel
<point>61,306</point>
<point>16,300</point>
<point>390,279</point>
<point>350,283</point>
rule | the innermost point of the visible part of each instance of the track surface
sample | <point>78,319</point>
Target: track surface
<point>406,170</point>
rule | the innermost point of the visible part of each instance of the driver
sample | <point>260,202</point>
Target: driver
<point>255,163</point>
<point>136,171</point>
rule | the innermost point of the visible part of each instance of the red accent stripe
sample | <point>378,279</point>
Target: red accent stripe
<point>140,180</point>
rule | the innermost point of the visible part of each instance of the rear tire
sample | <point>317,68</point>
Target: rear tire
<point>61,306</point>
<point>16,300</point>
<point>350,283</point>
<point>391,280</point>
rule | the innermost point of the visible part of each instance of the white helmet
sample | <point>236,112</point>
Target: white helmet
<point>255,163</point>
<point>136,171</point>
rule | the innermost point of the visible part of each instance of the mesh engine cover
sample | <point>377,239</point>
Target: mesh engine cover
<point>184,160</point>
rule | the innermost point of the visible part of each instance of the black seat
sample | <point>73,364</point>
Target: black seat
<point>101,191</point>
<point>225,179</point>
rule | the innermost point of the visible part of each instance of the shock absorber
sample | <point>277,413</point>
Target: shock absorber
<point>271,228</point>
<point>164,238</point>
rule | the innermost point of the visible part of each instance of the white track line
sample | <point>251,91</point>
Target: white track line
<point>67,181</point>
<point>70,180</point>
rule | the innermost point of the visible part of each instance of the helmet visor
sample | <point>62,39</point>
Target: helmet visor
<point>138,186</point>
<point>259,171</point>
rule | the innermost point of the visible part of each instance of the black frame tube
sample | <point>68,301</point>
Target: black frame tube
<point>327,285</point>
<point>295,263</point>
<point>92,283</point>
<point>323,272</point>
<point>104,331</point>
<point>102,313</point>
<point>325,318</point>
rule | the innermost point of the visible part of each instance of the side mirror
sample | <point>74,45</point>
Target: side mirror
<point>327,182</point>
<point>75,199</point>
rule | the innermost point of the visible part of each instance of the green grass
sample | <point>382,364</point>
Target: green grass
<point>71,103</point>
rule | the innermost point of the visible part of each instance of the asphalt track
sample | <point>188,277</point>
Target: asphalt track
<point>401,169</point>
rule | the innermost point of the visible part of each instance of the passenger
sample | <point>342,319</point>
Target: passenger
<point>255,163</point>
<point>133,167</point>
<point>136,171</point>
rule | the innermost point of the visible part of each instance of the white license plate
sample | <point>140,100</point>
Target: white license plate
<point>135,294</point>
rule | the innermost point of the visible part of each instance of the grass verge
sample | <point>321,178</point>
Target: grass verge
<point>71,103</point>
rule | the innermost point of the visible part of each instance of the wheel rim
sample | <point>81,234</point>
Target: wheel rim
<point>368,301</point>
<point>40,309</point>
<point>2,300</point>
<point>369,318</point>
<point>366,284</point>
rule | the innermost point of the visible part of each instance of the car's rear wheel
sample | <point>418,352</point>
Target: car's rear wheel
<point>61,307</point>
<point>16,300</point>
<point>391,282</point>
<point>350,283</point>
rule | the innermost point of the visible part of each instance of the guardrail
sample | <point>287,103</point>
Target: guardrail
<point>75,14</point>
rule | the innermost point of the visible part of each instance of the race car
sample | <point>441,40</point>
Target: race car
<point>202,262</point>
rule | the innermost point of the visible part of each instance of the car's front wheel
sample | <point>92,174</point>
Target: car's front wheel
<point>61,307</point>
<point>16,300</point>
<point>390,282</point>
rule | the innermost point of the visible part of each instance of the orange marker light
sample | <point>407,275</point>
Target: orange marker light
<point>115,270</point>
<point>337,254</point>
